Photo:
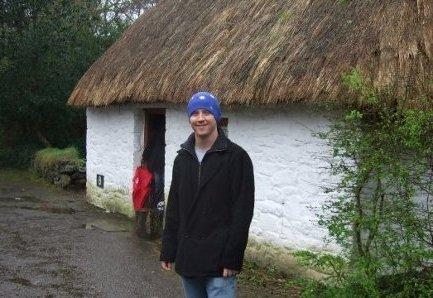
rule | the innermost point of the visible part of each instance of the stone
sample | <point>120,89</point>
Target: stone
<point>62,180</point>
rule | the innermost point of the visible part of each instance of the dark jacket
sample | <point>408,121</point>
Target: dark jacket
<point>209,210</point>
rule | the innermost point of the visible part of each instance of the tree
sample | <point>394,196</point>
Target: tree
<point>380,210</point>
<point>119,11</point>
<point>45,47</point>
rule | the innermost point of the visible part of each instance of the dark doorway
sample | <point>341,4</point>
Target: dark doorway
<point>154,136</point>
<point>150,221</point>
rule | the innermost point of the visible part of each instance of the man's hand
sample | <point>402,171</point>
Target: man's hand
<point>167,266</point>
<point>229,272</point>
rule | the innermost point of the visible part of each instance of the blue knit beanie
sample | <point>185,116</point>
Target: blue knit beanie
<point>207,101</point>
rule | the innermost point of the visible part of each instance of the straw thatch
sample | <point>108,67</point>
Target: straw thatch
<point>265,51</point>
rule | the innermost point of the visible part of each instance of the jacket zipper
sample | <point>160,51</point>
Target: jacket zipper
<point>199,176</point>
<point>200,163</point>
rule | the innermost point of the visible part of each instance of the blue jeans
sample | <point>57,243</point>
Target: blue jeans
<point>209,287</point>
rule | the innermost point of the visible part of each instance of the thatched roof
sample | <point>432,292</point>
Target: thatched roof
<point>264,51</point>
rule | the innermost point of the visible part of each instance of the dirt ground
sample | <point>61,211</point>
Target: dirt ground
<point>54,244</point>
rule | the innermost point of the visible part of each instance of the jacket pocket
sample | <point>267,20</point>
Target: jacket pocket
<point>202,254</point>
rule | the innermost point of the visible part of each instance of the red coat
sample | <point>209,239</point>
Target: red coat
<point>141,187</point>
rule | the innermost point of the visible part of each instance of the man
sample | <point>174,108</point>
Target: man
<point>210,206</point>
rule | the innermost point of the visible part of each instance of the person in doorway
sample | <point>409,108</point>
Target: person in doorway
<point>156,198</point>
<point>142,188</point>
<point>210,206</point>
<point>148,193</point>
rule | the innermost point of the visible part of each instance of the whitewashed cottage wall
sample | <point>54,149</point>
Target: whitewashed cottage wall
<point>288,164</point>
<point>287,159</point>
<point>114,146</point>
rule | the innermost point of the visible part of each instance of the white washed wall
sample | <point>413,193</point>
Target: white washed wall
<point>288,162</point>
<point>114,144</point>
<point>288,165</point>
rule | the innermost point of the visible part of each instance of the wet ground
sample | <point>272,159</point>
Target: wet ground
<point>54,244</point>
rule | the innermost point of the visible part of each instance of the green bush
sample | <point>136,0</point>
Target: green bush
<point>50,162</point>
<point>380,212</point>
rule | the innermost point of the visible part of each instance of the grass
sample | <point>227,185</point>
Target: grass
<point>26,175</point>
<point>277,283</point>
<point>48,158</point>
<point>17,175</point>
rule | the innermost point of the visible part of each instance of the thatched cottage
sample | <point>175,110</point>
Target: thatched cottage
<point>270,62</point>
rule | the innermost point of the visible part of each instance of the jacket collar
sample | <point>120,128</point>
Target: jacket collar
<point>220,144</point>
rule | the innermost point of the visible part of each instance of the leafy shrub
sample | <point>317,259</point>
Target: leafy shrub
<point>51,162</point>
<point>381,210</point>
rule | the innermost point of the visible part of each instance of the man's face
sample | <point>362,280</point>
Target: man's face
<point>203,123</point>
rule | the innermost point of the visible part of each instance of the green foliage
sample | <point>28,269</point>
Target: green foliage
<point>23,176</point>
<point>381,210</point>
<point>335,266</point>
<point>48,45</point>
<point>19,157</point>
<point>45,48</point>
<point>274,281</point>
<point>49,161</point>
<point>356,83</point>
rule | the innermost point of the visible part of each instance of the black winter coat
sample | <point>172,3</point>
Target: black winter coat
<point>209,209</point>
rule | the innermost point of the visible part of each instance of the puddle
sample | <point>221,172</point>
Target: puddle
<point>109,226</point>
<point>20,199</point>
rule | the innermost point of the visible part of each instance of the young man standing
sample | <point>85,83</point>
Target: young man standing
<point>210,206</point>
